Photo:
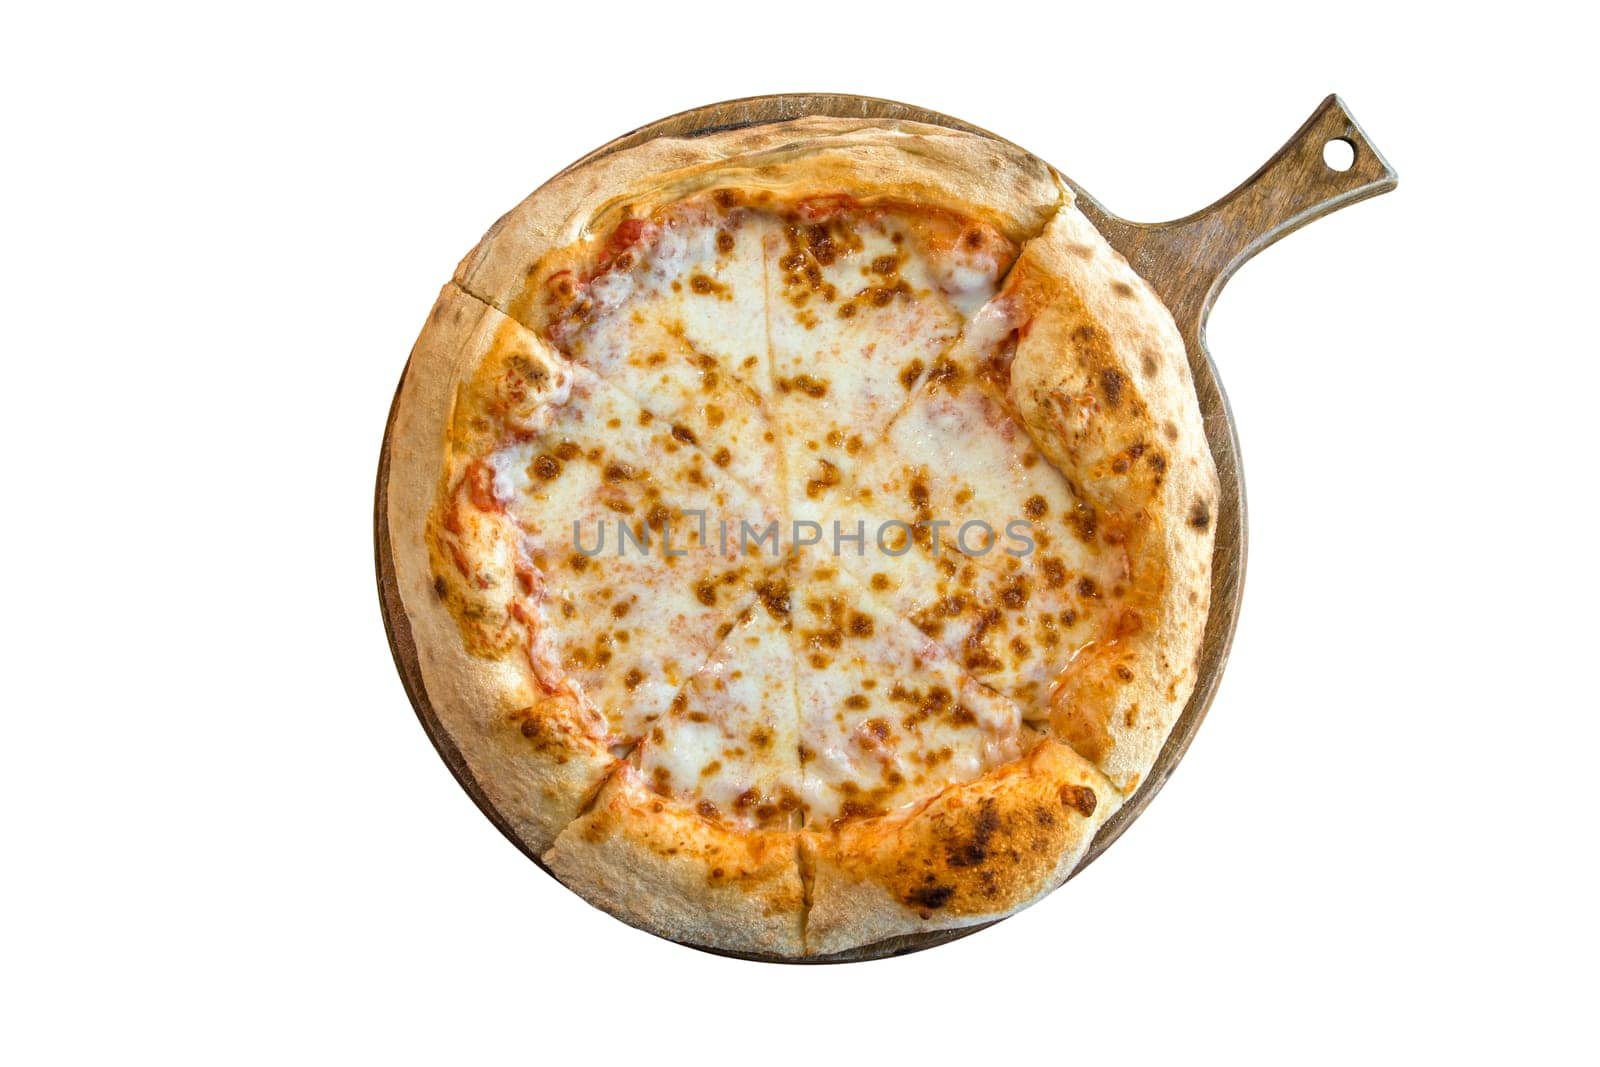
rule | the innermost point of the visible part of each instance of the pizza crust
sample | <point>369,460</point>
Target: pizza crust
<point>978,176</point>
<point>655,864</point>
<point>977,852</point>
<point>537,757</point>
<point>1099,374</point>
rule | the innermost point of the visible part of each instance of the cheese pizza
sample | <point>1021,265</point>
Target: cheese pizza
<point>805,531</point>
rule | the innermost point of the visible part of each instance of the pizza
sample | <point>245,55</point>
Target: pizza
<point>805,531</point>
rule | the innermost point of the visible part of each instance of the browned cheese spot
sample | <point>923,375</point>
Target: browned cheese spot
<point>919,496</point>
<point>774,594</point>
<point>705,286</point>
<point>815,388</point>
<point>910,373</point>
<point>880,296</point>
<point>1084,522</point>
<point>944,375</point>
<point>827,476</point>
<point>1015,594</point>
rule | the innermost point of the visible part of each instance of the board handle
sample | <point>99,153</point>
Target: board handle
<point>1188,260</point>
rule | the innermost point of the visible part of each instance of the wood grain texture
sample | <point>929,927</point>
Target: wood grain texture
<point>1187,261</point>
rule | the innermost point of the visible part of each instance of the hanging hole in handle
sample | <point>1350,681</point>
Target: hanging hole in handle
<point>1339,154</point>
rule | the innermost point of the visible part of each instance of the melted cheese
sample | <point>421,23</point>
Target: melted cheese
<point>730,741</point>
<point>1017,606</point>
<point>630,625</point>
<point>887,718</point>
<point>855,323</point>
<point>821,364</point>
<point>683,332</point>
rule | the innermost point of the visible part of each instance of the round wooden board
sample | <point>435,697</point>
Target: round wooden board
<point>1187,261</point>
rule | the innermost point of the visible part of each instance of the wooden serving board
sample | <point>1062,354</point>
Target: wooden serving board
<point>1187,261</point>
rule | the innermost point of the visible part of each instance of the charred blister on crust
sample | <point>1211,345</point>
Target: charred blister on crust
<point>983,848</point>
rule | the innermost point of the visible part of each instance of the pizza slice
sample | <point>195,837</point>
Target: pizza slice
<point>534,747</point>
<point>696,831</point>
<point>729,744</point>
<point>672,311</point>
<point>664,867</point>
<point>1049,584</point>
<point>611,576</point>
<point>862,302</point>
<point>1029,576</point>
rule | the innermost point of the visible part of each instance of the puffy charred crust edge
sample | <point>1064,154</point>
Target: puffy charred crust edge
<point>1074,278</point>
<point>977,852</point>
<point>657,865</point>
<point>976,176</point>
<point>530,753</point>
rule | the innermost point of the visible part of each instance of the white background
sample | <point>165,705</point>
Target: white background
<point>226,838</point>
